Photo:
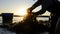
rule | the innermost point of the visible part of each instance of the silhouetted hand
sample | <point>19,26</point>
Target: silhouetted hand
<point>29,10</point>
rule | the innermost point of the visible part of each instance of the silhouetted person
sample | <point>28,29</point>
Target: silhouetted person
<point>53,6</point>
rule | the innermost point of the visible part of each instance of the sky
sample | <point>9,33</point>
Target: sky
<point>14,6</point>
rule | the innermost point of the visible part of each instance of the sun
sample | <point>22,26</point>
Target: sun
<point>22,12</point>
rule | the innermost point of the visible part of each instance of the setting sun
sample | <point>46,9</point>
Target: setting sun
<point>22,12</point>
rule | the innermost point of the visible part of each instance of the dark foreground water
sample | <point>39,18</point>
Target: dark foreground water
<point>5,31</point>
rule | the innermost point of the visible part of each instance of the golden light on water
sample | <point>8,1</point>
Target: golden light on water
<point>22,13</point>
<point>21,18</point>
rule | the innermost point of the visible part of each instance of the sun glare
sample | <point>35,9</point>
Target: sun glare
<point>22,12</point>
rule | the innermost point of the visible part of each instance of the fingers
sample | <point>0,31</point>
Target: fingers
<point>29,10</point>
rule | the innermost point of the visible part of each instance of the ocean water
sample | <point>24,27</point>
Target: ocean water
<point>5,31</point>
<point>17,19</point>
<point>0,19</point>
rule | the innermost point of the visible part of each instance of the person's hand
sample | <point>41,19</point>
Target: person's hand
<point>29,10</point>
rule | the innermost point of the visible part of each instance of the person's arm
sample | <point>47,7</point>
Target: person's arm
<point>44,8</point>
<point>45,5</point>
<point>36,4</point>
